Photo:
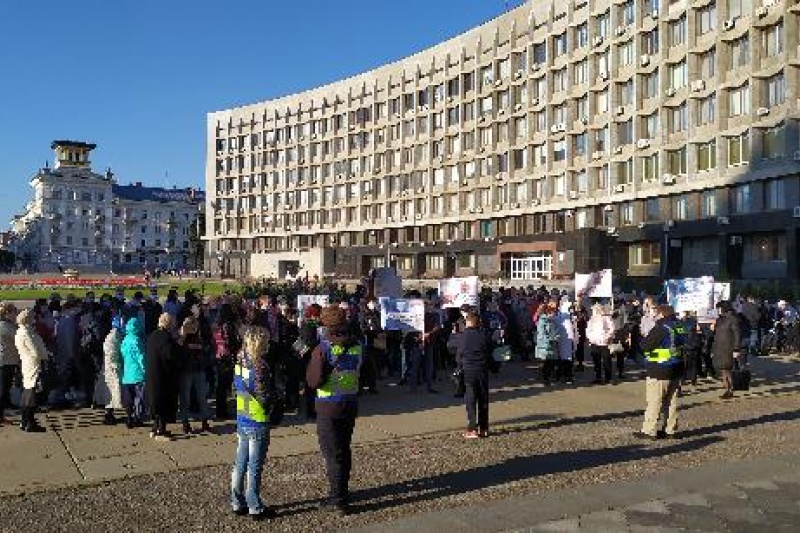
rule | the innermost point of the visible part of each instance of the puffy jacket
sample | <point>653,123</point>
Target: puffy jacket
<point>32,352</point>
<point>9,355</point>
<point>600,330</point>
<point>133,352</point>
<point>546,338</point>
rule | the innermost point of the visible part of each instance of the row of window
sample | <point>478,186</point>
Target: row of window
<point>757,248</point>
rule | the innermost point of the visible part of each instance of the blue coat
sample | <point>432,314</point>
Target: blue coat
<point>133,352</point>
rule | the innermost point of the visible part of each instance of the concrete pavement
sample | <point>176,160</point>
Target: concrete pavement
<point>77,449</point>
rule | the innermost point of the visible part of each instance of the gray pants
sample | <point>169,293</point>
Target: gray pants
<point>200,383</point>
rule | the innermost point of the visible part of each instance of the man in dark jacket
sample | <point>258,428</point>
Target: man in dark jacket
<point>334,371</point>
<point>370,328</point>
<point>727,345</point>
<point>161,377</point>
<point>664,373</point>
<point>473,349</point>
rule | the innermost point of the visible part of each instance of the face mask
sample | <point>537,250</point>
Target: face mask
<point>371,306</point>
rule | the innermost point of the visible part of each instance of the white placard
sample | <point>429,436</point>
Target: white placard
<point>594,285</point>
<point>456,292</point>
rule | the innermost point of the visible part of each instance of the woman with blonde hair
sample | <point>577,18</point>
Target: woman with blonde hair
<point>33,354</point>
<point>161,377</point>
<point>192,373</point>
<point>600,333</point>
<point>9,355</point>
<point>253,399</point>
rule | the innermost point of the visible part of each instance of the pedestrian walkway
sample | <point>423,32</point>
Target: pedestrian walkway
<point>77,449</point>
<point>754,495</point>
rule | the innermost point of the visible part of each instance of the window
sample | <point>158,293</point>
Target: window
<point>559,150</point>
<point>739,101</point>
<point>775,90</point>
<point>582,35</point>
<point>707,64</point>
<point>677,31</point>
<point>504,69</point>
<point>651,85</point>
<point>486,76</point>
<point>738,8</point>
<point>649,167</point>
<point>625,53</point>
<point>582,181</point>
<point>771,143</point>
<point>560,44</point>
<point>708,204</point>
<point>680,207</point>
<point>706,19</point>
<point>739,149</point>
<point>650,128</point>
<point>707,156</point>
<point>625,132</point>
<point>560,114</point>
<point>652,210</point>
<point>628,13</point>
<point>560,185</point>
<point>769,247</point>
<point>644,253</point>
<point>742,199</point>
<point>678,119</point>
<point>602,24</point>
<point>539,54</point>
<point>772,40</point>
<point>580,72</point>
<point>676,161</point>
<point>625,172</point>
<point>706,110</point>
<point>579,145</point>
<point>677,75</point>
<point>740,53</point>
<point>627,212</point>
<point>539,155</point>
<point>465,260</point>
<point>774,195</point>
<point>704,250</point>
<point>434,262</point>
<point>650,42</point>
<point>560,80</point>
<point>626,92</point>
<point>601,139</point>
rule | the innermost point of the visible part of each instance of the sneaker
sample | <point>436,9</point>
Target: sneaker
<point>727,395</point>
<point>205,428</point>
<point>483,434</point>
<point>187,428</point>
<point>265,514</point>
<point>644,436</point>
<point>471,434</point>
<point>241,512</point>
<point>34,428</point>
<point>162,437</point>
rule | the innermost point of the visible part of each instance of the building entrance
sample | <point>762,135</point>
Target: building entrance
<point>535,266</point>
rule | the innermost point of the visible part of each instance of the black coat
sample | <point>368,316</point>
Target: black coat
<point>727,339</point>
<point>473,349</point>
<point>161,375</point>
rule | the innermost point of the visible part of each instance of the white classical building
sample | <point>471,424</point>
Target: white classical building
<point>85,220</point>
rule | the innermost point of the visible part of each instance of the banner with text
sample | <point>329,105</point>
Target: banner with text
<point>401,314</point>
<point>304,300</point>
<point>456,292</point>
<point>594,285</point>
<point>691,294</point>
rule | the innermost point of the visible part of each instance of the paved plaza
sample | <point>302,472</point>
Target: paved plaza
<point>560,459</point>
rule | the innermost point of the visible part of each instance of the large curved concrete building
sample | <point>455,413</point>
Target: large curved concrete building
<point>657,138</point>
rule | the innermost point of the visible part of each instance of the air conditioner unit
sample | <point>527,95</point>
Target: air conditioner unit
<point>643,143</point>
<point>418,216</point>
<point>340,177</point>
<point>597,155</point>
<point>450,100</point>
<point>762,111</point>
<point>729,24</point>
<point>464,183</point>
<point>421,190</point>
<point>554,128</point>
<point>611,230</point>
<point>641,225</point>
<point>499,177</point>
<point>534,101</point>
<point>671,92</point>
<point>619,110</point>
<point>498,83</point>
<point>562,127</point>
<point>723,221</point>
<point>498,207</point>
<point>608,208</point>
<point>573,195</point>
<point>313,136</point>
<point>536,201</point>
<point>644,60</point>
<point>376,170</point>
<point>479,210</point>
<point>736,240</point>
<point>761,12</point>
<point>698,85</point>
<point>482,119</point>
<point>668,179</point>
<point>603,76</point>
<point>515,205</point>
<point>518,107</point>
<point>621,30</point>
<point>654,14</point>
<point>598,40</point>
<point>536,66</point>
<point>501,112</point>
<point>518,74</point>
<point>584,120</point>
<point>618,150</point>
<point>619,188</point>
<point>669,224</point>
<point>471,210</point>
<point>482,149</point>
<point>796,211</point>
<point>301,161</point>
<point>352,127</point>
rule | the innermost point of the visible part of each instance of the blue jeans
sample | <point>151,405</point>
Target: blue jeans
<point>250,455</point>
<point>200,384</point>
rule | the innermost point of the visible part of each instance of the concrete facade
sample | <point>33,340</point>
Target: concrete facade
<point>657,138</point>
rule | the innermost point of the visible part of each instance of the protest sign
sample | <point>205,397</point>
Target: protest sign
<point>456,292</point>
<point>694,295</point>
<point>304,300</point>
<point>401,314</point>
<point>594,285</point>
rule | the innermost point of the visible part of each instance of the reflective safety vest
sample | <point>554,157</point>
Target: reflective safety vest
<point>249,410</point>
<point>342,384</point>
<point>668,353</point>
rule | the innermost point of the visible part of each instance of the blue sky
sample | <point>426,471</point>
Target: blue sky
<point>137,77</point>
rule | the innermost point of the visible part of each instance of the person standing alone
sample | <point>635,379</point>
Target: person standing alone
<point>473,349</point>
<point>664,374</point>
<point>334,370</point>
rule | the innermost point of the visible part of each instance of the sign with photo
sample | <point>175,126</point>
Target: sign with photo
<point>594,285</point>
<point>694,295</point>
<point>456,292</point>
<point>402,314</point>
<point>305,300</point>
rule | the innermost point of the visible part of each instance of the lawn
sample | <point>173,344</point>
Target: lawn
<point>206,287</point>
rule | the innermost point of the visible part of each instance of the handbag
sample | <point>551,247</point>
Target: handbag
<point>740,377</point>
<point>502,354</point>
<point>459,384</point>
<point>616,347</point>
<point>300,347</point>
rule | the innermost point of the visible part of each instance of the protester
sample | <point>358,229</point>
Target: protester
<point>108,391</point>
<point>727,345</point>
<point>33,353</point>
<point>566,342</point>
<point>161,377</point>
<point>191,365</point>
<point>228,343</point>
<point>473,349</point>
<point>253,393</point>
<point>9,355</point>
<point>547,348</point>
<point>133,351</point>
<point>334,371</point>
<point>664,373</point>
<point>599,333</point>
<point>309,339</point>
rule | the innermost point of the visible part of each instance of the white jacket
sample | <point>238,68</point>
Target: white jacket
<point>600,330</point>
<point>108,389</point>
<point>32,353</point>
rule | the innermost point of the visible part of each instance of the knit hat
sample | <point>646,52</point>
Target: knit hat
<point>333,317</point>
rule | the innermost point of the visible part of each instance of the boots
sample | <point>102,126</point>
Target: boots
<point>29,423</point>
<point>109,419</point>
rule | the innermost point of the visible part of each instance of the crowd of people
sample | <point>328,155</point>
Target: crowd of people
<point>167,362</point>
